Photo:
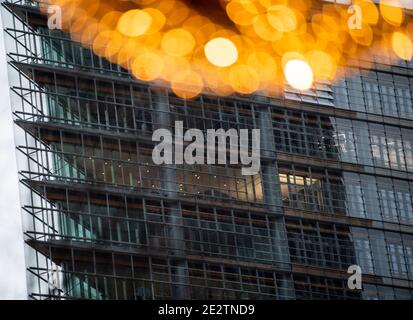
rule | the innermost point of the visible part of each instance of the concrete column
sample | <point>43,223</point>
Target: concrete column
<point>272,198</point>
<point>270,186</point>
<point>169,188</point>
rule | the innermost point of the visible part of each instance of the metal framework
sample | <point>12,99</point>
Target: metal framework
<point>103,222</point>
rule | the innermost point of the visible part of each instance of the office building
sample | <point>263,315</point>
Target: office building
<point>101,221</point>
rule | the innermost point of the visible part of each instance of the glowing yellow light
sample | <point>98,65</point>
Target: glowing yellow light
<point>242,12</point>
<point>264,64</point>
<point>178,42</point>
<point>402,46</point>
<point>369,11</point>
<point>147,66</point>
<point>264,29</point>
<point>257,45</point>
<point>158,20</point>
<point>187,84</point>
<point>299,74</point>
<point>322,64</point>
<point>221,52</point>
<point>392,11</point>
<point>134,23</point>
<point>282,18</point>
<point>244,79</point>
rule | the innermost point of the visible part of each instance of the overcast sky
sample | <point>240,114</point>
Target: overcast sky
<point>12,270</point>
<point>408,3</point>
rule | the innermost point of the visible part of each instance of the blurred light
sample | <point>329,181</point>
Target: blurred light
<point>244,79</point>
<point>221,52</point>
<point>242,46</point>
<point>322,64</point>
<point>134,23</point>
<point>402,46</point>
<point>187,84</point>
<point>178,42</point>
<point>299,74</point>
<point>369,11</point>
<point>282,18</point>
<point>147,66</point>
<point>392,11</point>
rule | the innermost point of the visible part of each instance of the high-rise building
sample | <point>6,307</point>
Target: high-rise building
<point>102,221</point>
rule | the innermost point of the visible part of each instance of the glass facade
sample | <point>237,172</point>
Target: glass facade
<point>102,221</point>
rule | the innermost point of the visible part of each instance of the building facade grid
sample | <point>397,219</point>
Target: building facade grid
<point>103,222</point>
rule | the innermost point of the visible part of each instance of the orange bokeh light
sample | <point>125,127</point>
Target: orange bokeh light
<point>241,46</point>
